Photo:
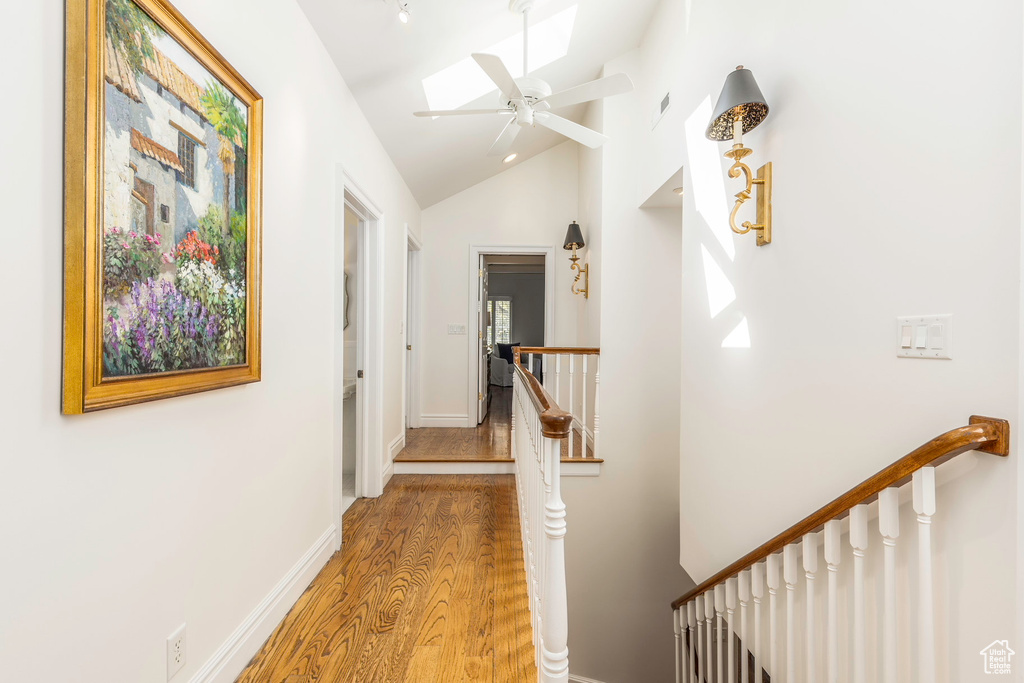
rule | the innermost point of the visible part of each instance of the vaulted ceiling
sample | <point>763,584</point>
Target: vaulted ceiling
<point>386,64</point>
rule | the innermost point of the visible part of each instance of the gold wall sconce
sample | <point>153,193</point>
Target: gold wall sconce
<point>574,241</point>
<point>741,107</point>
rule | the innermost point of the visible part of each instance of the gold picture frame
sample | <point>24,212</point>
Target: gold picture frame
<point>87,385</point>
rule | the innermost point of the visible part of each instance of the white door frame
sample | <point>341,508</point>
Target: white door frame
<point>473,345</point>
<point>369,458</point>
<point>413,311</point>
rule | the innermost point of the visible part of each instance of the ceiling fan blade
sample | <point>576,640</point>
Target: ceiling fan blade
<point>496,71</point>
<point>571,130</point>
<point>504,142</point>
<point>462,112</point>
<point>594,90</point>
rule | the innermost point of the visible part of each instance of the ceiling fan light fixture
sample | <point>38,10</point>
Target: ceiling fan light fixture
<point>510,158</point>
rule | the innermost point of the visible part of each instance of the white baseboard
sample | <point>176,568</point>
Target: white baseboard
<point>413,467</point>
<point>231,658</point>
<point>396,446</point>
<point>581,679</point>
<point>443,420</point>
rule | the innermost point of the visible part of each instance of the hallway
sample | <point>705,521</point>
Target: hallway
<point>429,586</point>
<point>489,442</point>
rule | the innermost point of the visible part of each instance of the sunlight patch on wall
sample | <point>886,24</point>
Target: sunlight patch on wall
<point>709,197</point>
<point>739,338</point>
<point>465,81</point>
<point>721,293</point>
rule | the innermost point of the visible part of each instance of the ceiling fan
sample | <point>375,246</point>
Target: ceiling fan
<point>529,101</point>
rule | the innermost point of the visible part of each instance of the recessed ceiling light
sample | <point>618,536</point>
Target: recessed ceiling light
<point>403,15</point>
<point>678,191</point>
<point>510,158</point>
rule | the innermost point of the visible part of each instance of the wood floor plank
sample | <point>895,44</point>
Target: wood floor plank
<point>428,587</point>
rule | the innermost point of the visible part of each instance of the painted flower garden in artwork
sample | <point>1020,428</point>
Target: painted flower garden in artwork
<point>174,207</point>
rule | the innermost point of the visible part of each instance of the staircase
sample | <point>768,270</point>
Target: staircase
<point>796,641</point>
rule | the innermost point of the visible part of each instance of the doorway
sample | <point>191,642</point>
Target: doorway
<point>352,398</point>
<point>358,351</point>
<point>412,326</point>
<point>513,302</point>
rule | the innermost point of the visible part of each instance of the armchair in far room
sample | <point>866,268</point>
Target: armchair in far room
<point>501,365</point>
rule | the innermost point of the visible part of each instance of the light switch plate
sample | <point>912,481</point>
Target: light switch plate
<point>930,336</point>
<point>455,328</point>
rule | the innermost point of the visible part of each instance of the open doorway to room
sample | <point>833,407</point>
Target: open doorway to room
<point>358,352</point>
<point>513,306</point>
<point>352,397</point>
<point>514,312</point>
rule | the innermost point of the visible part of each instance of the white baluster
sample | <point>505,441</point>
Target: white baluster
<point>833,553</point>
<point>709,621</point>
<point>678,628</point>
<point>570,408</point>
<point>730,614</point>
<point>772,573</point>
<point>702,662</point>
<point>583,412</point>
<point>924,506</point>
<point>810,548</point>
<point>691,672</point>
<point>789,575</point>
<point>859,542</point>
<point>744,596</point>
<point>757,592</point>
<point>558,373</point>
<point>719,632</point>
<point>597,413</point>
<point>889,527</point>
<point>555,623</point>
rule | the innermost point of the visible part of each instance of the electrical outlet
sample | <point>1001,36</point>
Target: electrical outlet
<point>175,652</point>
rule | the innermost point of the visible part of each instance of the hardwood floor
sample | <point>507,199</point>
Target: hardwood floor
<point>490,442</point>
<point>429,587</point>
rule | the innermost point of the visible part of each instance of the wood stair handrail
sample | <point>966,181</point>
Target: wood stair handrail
<point>560,350</point>
<point>555,422</point>
<point>986,434</point>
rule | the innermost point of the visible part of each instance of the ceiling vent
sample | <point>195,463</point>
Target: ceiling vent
<point>659,111</point>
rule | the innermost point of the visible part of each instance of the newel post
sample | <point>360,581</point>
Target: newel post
<point>555,622</point>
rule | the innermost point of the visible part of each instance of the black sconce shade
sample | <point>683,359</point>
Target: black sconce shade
<point>574,237</point>
<point>740,94</point>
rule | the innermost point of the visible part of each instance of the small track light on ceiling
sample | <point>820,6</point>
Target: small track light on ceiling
<point>403,14</point>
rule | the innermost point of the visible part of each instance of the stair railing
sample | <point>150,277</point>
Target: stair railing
<point>702,616</point>
<point>572,375</point>
<point>538,428</point>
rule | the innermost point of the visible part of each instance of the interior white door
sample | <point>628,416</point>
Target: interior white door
<point>481,326</point>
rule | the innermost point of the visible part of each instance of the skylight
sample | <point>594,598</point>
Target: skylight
<point>464,81</point>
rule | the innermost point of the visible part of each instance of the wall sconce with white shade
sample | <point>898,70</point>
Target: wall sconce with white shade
<point>574,241</point>
<point>741,108</point>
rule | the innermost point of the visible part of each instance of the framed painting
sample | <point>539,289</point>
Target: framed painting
<point>162,195</point>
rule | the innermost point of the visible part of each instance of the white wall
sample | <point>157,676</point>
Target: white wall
<point>530,204</point>
<point>119,526</point>
<point>621,547</point>
<point>883,207</point>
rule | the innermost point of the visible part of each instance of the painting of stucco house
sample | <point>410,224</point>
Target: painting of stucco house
<point>164,159</point>
<point>174,205</point>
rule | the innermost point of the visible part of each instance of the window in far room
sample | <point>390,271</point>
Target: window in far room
<point>499,320</point>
